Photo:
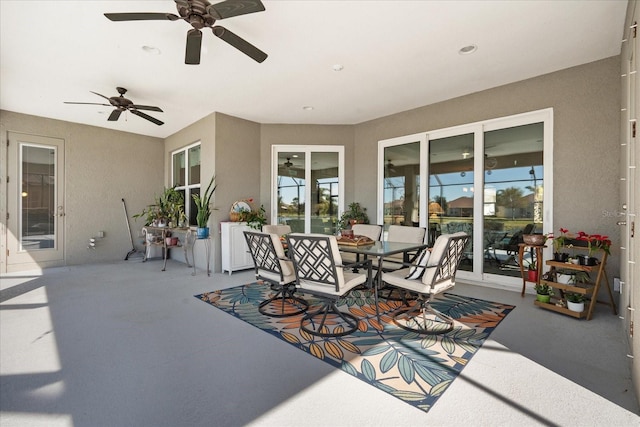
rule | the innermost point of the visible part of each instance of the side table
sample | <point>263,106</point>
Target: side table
<point>535,250</point>
<point>192,238</point>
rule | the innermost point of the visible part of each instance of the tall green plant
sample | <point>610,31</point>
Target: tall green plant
<point>203,204</point>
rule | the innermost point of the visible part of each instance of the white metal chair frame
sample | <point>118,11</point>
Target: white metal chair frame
<point>319,271</point>
<point>274,268</point>
<point>439,276</point>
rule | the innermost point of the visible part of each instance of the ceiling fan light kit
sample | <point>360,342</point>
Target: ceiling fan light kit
<point>202,14</point>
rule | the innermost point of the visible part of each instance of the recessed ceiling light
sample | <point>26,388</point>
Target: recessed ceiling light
<point>307,108</point>
<point>151,50</point>
<point>337,67</point>
<point>468,49</point>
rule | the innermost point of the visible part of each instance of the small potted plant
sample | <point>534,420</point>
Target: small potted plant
<point>354,215</point>
<point>575,301</point>
<point>543,292</point>
<point>203,207</point>
<point>254,218</point>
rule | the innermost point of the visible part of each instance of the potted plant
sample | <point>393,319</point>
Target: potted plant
<point>558,244</point>
<point>203,207</point>
<point>543,292</point>
<point>354,215</point>
<point>254,218</point>
<point>575,301</point>
<point>167,209</point>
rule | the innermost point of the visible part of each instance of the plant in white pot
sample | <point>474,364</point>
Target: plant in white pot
<point>575,301</point>
<point>203,206</point>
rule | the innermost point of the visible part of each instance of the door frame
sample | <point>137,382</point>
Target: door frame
<point>12,259</point>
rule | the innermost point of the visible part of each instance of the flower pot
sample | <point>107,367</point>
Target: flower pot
<point>174,241</point>
<point>565,279</point>
<point>575,306</point>
<point>202,232</point>
<point>543,298</point>
<point>532,275</point>
<point>560,256</point>
<point>167,240</point>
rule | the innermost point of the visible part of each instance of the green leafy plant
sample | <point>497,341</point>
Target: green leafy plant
<point>575,297</point>
<point>202,202</point>
<point>167,207</point>
<point>543,289</point>
<point>354,213</point>
<point>254,218</point>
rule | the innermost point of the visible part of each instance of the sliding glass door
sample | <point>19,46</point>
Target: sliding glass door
<point>486,179</point>
<point>308,187</point>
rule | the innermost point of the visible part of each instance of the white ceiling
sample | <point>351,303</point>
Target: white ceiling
<point>397,55</point>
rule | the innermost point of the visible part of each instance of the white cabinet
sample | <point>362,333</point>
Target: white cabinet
<point>235,252</point>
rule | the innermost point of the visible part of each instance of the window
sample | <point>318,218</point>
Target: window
<point>185,173</point>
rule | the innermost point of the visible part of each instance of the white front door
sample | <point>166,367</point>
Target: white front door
<point>35,202</point>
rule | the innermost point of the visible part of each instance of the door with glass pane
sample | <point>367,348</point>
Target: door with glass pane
<point>308,188</point>
<point>401,185</point>
<point>451,189</point>
<point>513,195</point>
<point>35,205</point>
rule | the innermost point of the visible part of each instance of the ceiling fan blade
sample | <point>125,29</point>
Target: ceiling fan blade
<point>96,93</point>
<point>239,43</point>
<point>146,116</point>
<point>115,115</point>
<point>146,107</point>
<point>88,103</point>
<point>192,51</point>
<point>229,8</point>
<point>142,16</point>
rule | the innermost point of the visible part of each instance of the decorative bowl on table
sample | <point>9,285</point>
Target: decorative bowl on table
<point>533,239</point>
<point>347,233</point>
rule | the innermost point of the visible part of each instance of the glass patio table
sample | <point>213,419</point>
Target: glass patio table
<point>380,250</point>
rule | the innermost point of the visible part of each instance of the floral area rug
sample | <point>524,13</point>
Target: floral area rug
<point>414,368</point>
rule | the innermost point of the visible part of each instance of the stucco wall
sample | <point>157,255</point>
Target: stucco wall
<point>586,104</point>
<point>102,167</point>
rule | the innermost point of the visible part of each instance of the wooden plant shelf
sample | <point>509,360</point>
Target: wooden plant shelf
<point>589,290</point>
<point>563,310</point>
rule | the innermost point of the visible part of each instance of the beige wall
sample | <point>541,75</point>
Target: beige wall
<point>586,104</point>
<point>230,151</point>
<point>102,167</point>
<point>585,99</point>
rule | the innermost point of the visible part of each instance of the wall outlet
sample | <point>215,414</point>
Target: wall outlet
<point>101,234</point>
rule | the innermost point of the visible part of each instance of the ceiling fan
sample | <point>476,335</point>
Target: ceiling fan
<point>390,167</point>
<point>288,163</point>
<point>123,104</point>
<point>202,14</point>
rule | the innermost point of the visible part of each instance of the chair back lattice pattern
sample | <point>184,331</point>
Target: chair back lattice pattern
<point>446,255</point>
<point>315,258</point>
<point>263,252</point>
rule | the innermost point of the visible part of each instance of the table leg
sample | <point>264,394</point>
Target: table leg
<point>521,263</point>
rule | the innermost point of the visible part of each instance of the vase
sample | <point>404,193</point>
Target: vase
<point>575,306</point>
<point>543,298</point>
<point>202,232</point>
<point>565,279</point>
<point>560,256</point>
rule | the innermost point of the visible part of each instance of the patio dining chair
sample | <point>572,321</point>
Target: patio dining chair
<point>271,266</point>
<point>437,276</point>
<point>319,272</point>
<point>406,234</point>
<point>279,229</point>
<point>372,231</point>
